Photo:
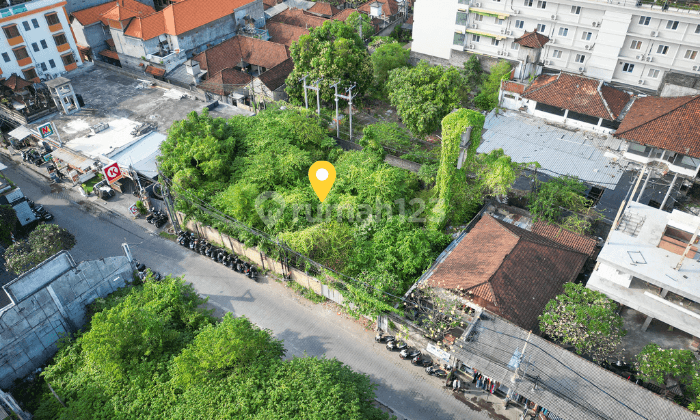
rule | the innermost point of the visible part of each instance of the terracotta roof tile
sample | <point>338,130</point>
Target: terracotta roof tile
<point>282,33</point>
<point>110,54</point>
<point>580,243</point>
<point>269,3</point>
<point>668,123</point>
<point>532,39</point>
<point>298,17</point>
<point>344,14</point>
<point>389,7</point>
<point>579,94</point>
<point>515,87</point>
<point>225,81</point>
<point>324,9</point>
<point>276,76</point>
<point>16,83</point>
<point>229,54</point>
<point>156,71</point>
<point>522,270</point>
<point>92,14</point>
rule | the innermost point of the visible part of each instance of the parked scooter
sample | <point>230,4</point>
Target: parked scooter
<point>252,272</point>
<point>422,360</point>
<point>381,338</point>
<point>432,370</point>
<point>409,353</point>
<point>396,345</point>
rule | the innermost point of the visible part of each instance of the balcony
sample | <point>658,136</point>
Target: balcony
<point>63,47</point>
<point>15,41</point>
<point>55,28</point>
<point>72,66</point>
<point>24,62</point>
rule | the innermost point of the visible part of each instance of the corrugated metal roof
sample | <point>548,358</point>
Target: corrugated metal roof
<point>24,213</point>
<point>558,151</point>
<point>15,195</point>
<point>21,132</point>
<point>72,159</point>
<point>141,154</point>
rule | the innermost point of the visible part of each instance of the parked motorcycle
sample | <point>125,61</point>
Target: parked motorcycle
<point>409,353</point>
<point>252,272</point>
<point>381,338</point>
<point>139,266</point>
<point>422,360</point>
<point>432,370</point>
<point>396,345</point>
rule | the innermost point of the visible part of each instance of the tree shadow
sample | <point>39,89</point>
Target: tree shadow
<point>245,297</point>
<point>300,346</point>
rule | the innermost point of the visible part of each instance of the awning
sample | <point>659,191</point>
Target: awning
<point>500,14</point>
<point>83,49</point>
<point>109,54</point>
<point>488,34</point>
<point>21,132</point>
<point>155,71</point>
<point>72,159</point>
<point>110,42</point>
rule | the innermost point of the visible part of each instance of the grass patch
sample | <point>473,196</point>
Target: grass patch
<point>307,293</point>
<point>90,184</point>
<point>166,235</point>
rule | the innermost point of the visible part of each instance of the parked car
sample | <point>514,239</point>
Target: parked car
<point>105,192</point>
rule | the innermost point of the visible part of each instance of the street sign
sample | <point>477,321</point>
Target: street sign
<point>133,210</point>
<point>46,130</point>
<point>112,172</point>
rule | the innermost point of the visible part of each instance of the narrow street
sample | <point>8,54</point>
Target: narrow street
<point>306,328</point>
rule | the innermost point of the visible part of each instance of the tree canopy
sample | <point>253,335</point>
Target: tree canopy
<point>487,99</point>
<point>43,242</point>
<point>424,95</point>
<point>8,222</point>
<point>562,201</point>
<point>150,352</point>
<point>385,58</point>
<point>333,52</point>
<point>585,319</point>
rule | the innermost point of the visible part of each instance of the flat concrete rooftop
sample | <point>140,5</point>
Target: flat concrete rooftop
<point>640,255</point>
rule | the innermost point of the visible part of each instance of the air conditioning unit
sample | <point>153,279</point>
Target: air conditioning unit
<point>650,58</point>
<point>503,31</point>
<point>594,24</point>
<point>474,25</point>
<point>516,12</point>
<point>639,57</point>
<point>581,69</point>
<point>695,68</point>
<point>471,46</point>
<point>552,41</point>
<point>507,53</point>
<point>509,32</point>
<point>477,4</point>
<point>641,82</point>
<point>654,33</point>
<point>554,17</point>
<point>547,62</point>
<point>588,47</point>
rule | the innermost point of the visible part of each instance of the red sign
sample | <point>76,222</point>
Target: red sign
<point>112,172</point>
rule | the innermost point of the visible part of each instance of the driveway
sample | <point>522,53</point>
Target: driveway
<point>306,328</point>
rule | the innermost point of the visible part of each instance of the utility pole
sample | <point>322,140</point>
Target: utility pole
<point>306,98</point>
<point>168,201</point>
<point>337,120</point>
<point>315,87</point>
<point>348,98</point>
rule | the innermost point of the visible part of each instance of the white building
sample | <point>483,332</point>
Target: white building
<point>37,42</point>
<point>624,41</point>
<point>640,266</point>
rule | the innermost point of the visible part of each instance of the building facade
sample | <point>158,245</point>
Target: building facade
<point>627,41</point>
<point>37,42</point>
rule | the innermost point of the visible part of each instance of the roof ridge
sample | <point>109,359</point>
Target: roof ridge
<point>692,98</point>
<point>541,240</point>
<point>544,85</point>
<point>605,102</point>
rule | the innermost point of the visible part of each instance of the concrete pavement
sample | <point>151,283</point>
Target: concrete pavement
<point>306,328</point>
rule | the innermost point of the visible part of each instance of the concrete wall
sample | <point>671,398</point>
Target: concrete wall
<point>74,5</point>
<point>93,36</point>
<point>457,59</point>
<point>212,33</point>
<point>49,301</point>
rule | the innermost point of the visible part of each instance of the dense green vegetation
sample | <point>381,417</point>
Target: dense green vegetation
<point>149,352</point>
<point>661,365</point>
<point>8,223</point>
<point>230,163</point>
<point>487,99</point>
<point>385,58</point>
<point>43,242</point>
<point>562,201</point>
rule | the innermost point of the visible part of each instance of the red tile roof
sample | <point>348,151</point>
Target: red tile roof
<point>515,270</point>
<point>93,14</point>
<point>389,7</point>
<point>156,71</point>
<point>229,54</point>
<point>514,87</point>
<point>343,15</point>
<point>282,33</point>
<point>16,83</point>
<point>110,54</point>
<point>110,42</point>
<point>324,9</point>
<point>580,243</point>
<point>276,76</point>
<point>579,94</point>
<point>298,17</point>
<point>269,3</point>
<point>532,39</point>
<point>225,81</point>
<point>667,123</point>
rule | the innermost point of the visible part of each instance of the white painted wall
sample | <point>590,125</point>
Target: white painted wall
<point>433,27</point>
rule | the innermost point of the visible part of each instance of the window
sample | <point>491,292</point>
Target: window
<point>514,46</point>
<point>519,24</point>
<point>499,21</point>
<point>541,27</point>
<point>43,43</point>
<point>29,74</point>
<point>11,31</point>
<point>6,57</point>
<point>576,10</point>
<point>690,54</point>
<point>644,20</point>
<point>494,41</point>
<point>636,45</point>
<point>563,31</point>
<point>541,4</point>
<point>52,63</point>
<point>67,59</point>
<point>52,19</point>
<point>478,18</point>
<point>463,2</point>
<point>672,24</point>
<point>476,38</point>
<point>35,46</point>
<point>458,39</point>
<point>580,58</point>
<point>697,29</point>
<point>628,67</point>
<point>26,26</point>
<point>60,39</point>
<point>20,53</point>
<point>556,53</point>
<point>528,3</point>
<point>662,49</point>
<point>653,73</point>
<point>586,36</point>
<point>35,23</point>
<point>461,18</point>
<point>43,66</point>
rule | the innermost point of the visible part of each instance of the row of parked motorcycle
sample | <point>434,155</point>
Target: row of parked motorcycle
<point>157,218</point>
<point>416,357</point>
<point>33,156</point>
<point>39,211</point>
<point>144,271</point>
<point>230,260</point>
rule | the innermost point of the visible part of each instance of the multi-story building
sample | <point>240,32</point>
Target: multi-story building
<point>624,41</point>
<point>37,42</point>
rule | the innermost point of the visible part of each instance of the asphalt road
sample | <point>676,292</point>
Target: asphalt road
<point>306,328</point>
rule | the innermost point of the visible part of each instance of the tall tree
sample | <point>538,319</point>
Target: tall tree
<point>385,58</point>
<point>487,99</point>
<point>332,52</point>
<point>8,222</point>
<point>585,319</point>
<point>354,20</point>
<point>423,95</point>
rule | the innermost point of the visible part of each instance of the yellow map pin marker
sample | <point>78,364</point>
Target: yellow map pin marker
<point>322,177</point>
